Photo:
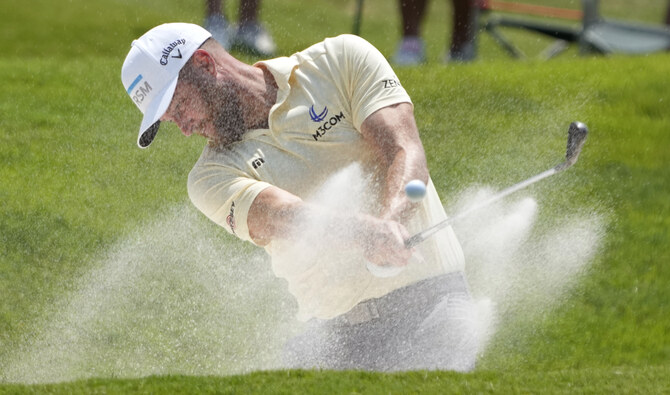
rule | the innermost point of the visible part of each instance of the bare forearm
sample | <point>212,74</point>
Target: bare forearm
<point>407,164</point>
<point>277,214</point>
<point>394,138</point>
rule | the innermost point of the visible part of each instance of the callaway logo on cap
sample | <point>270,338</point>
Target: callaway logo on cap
<point>150,71</point>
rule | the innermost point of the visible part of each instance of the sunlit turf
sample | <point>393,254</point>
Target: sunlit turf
<point>612,380</point>
<point>72,183</point>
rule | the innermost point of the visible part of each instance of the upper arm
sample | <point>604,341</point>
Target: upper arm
<point>225,195</point>
<point>366,79</point>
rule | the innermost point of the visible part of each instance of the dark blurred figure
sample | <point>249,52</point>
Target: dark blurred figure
<point>249,36</point>
<point>411,49</point>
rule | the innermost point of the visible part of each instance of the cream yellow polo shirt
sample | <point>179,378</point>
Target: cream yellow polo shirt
<point>325,94</point>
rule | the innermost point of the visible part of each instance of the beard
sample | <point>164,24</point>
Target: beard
<point>223,103</point>
<point>228,122</point>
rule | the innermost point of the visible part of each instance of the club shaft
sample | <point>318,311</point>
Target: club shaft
<point>421,236</point>
<point>576,136</point>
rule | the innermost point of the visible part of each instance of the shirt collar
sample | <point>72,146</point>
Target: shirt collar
<point>281,68</point>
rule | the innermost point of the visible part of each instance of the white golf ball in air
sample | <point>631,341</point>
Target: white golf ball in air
<point>415,190</point>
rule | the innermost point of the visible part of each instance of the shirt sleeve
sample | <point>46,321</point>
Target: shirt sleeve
<point>369,80</point>
<point>224,195</point>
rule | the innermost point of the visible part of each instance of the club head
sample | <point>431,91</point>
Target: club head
<point>576,137</point>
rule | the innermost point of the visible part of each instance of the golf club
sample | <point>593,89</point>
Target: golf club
<point>576,137</point>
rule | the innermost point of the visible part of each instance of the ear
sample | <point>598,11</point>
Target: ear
<point>204,61</point>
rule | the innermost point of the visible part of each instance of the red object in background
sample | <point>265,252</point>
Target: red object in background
<point>521,8</point>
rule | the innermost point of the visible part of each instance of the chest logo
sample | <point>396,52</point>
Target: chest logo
<point>327,125</point>
<point>318,117</point>
<point>257,162</point>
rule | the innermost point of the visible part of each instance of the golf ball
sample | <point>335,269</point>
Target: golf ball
<point>415,190</point>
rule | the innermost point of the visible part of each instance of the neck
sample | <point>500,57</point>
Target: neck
<point>257,92</point>
<point>243,99</point>
<point>260,97</point>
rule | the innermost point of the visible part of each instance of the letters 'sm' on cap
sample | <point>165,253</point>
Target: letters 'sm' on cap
<point>151,69</point>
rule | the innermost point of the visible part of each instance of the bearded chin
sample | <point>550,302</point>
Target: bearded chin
<point>228,122</point>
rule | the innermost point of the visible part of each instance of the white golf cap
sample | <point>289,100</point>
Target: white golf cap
<point>150,71</point>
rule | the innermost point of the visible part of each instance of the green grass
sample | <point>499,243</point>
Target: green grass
<point>586,381</point>
<point>74,188</point>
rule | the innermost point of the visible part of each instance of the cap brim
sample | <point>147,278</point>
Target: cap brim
<point>151,121</point>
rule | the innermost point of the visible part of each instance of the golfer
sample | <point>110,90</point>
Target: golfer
<point>276,131</point>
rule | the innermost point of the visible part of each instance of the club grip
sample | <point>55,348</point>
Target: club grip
<point>414,240</point>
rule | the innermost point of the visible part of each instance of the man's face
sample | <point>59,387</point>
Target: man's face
<point>207,107</point>
<point>190,111</point>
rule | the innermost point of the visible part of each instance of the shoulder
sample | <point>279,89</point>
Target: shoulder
<point>349,43</point>
<point>349,40</point>
<point>338,47</point>
<point>212,166</point>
